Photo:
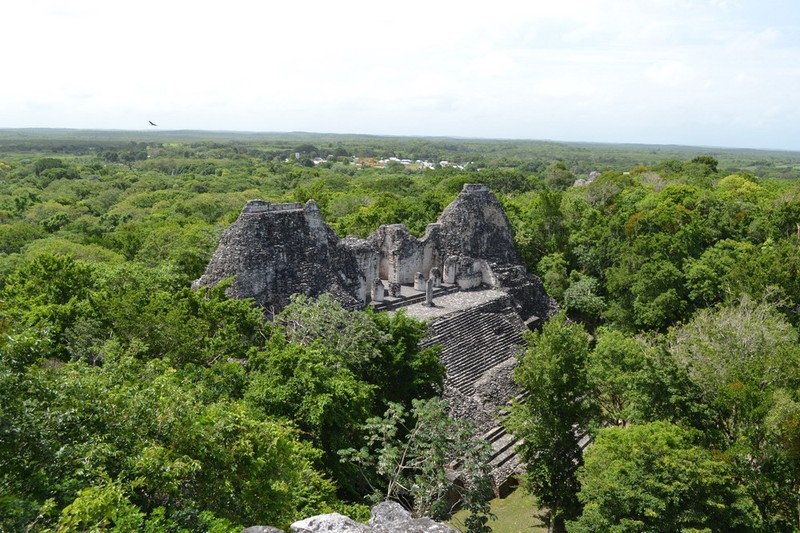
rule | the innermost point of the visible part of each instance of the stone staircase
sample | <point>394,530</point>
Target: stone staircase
<point>503,446</point>
<point>475,340</point>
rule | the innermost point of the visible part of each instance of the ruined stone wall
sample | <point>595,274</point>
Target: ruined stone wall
<point>473,232</point>
<point>276,250</point>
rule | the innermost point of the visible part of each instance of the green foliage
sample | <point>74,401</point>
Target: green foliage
<point>331,369</point>
<point>557,177</point>
<point>423,457</point>
<point>13,237</point>
<point>539,225</point>
<point>581,297</point>
<point>662,257</point>
<point>654,477</point>
<point>129,437</point>
<point>49,293</point>
<point>615,366</point>
<point>553,272</point>
<point>47,163</point>
<point>557,409</point>
<point>380,349</point>
<point>313,388</point>
<point>736,355</point>
<point>708,277</point>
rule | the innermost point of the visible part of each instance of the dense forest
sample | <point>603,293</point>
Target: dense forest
<point>130,402</point>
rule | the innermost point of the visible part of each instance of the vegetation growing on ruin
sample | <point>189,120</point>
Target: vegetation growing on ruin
<point>128,400</point>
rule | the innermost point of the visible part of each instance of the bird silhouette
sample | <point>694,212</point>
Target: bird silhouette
<point>152,123</point>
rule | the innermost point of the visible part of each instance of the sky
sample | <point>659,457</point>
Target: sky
<point>712,73</point>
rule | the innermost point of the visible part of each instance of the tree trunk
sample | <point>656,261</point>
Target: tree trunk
<point>555,521</point>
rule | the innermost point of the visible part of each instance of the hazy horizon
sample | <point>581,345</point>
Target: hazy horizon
<point>705,73</point>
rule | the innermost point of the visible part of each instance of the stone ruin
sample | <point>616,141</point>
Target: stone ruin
<point>276,250</point>
<point>463,277</point>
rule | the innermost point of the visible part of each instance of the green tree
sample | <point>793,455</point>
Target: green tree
<point>557,411</point>
<point>46,163</point>
<point>539,227</point>
<point>379,348</point>
<point>48,293</point>
<point>735,355</point>
<point>552,269</point>
<point>312,387</point>
<point>654,477</point>
<point>783,429</point>
<point>581,299</point>
<point>557,177</point>
<point>635,379</point>
<point>331,369</point>
<point>614,366</point>
<point>140,435</point>
<point>422,457</point>
<point>708,278</point>
<point>740,358</point>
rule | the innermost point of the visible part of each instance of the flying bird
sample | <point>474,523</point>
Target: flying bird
<point>152,123</point>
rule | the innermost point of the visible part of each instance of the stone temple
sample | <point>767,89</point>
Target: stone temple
<point>463,277</point>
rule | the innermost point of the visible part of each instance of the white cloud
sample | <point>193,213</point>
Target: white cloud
<point>492,65</point>
<point>671,73</point>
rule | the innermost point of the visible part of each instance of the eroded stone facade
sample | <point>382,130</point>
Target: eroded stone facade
<point>276,250</point>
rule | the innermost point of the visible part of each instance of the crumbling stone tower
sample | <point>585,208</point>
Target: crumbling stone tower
<point>276,250</point>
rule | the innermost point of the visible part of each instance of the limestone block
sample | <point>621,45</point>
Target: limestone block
<point>429,292</point>
<point>436,275</point>
<point>450,269</point>
<point>469,280</point>
<point>329,523</point>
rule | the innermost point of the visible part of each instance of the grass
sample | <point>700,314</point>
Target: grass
<point>516,513</point>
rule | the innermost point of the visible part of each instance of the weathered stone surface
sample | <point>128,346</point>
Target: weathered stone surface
<point>533,303</point>
<point>417,525</point>
<point>329,523</point>
<point>386,513</point>
<point>386,517</point>
<point>278,250</point>
<point>475,225</point>
<point>391,517</point>
<point>275,251</point>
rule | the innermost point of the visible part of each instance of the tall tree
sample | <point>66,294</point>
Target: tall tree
<point>555,415</point>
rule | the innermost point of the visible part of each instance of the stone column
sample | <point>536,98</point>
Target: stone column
<point>378,290</point>
<point>419,282</point>
<point>394,267</point>
<point>429,292</point>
